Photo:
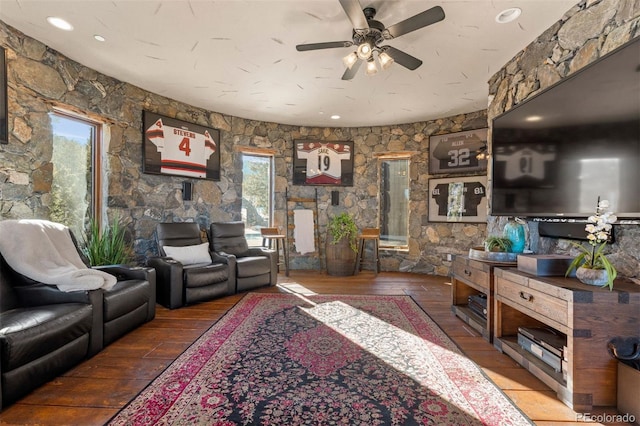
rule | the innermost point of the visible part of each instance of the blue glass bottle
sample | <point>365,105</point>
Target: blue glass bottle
<point>514,231</point>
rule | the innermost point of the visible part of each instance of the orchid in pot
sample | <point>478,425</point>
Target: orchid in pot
<point>592,266</point>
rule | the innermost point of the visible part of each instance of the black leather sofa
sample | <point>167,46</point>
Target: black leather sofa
<point>45,331</point>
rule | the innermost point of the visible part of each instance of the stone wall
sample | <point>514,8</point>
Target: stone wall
<point>40,79</point>
<point>587,31</point>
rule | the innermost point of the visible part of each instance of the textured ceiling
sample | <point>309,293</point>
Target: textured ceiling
<point>239,58</point>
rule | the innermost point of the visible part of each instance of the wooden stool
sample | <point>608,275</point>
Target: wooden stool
<point>368,234</point>
<point>273,234</point>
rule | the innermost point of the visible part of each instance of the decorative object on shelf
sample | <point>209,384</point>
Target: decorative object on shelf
<point>479,253</point>
<point>591,260</point>
<point>499,244</point>
<point>341,247</point>
<point>514,231</point>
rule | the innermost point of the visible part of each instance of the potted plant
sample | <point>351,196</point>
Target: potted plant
<point>341,246</point>
<point>497,244</point>
<point>591,265</point>
<point>108,247</point>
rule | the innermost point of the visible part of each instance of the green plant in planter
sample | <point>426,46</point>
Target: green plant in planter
<point>343,226</point>
<point>108,247</point>
<point>498,244</point>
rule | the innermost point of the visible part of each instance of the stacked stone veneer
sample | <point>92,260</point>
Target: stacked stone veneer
<point>40,79</point>
<point>587,31</point>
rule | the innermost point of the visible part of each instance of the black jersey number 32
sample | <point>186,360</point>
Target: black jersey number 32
<point>459,157</point>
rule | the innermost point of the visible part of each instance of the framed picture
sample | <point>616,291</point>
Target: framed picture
<point>4,115</point>
<point>175,147</point>
<point>458,152</point>
<point>318,162</point>
<point>458,199</point>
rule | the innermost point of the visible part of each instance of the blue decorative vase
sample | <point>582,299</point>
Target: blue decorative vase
<point>514,231</point>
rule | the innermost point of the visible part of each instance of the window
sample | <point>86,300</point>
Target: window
<point>394,203</point>
<point>257,195</point>
<point>75,185</point>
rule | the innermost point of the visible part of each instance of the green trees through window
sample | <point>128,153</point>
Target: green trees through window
<point>72,184</point>
<point>257,195</point>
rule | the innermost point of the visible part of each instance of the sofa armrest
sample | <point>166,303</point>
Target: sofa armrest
<point>169,281</point>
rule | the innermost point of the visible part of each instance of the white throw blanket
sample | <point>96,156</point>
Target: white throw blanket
<point>44,251</point>
<point>303,231</point>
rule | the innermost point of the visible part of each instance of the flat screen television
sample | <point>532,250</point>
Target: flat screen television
<point>556,153</point>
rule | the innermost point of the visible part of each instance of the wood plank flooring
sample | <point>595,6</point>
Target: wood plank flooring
<point>92,392</point>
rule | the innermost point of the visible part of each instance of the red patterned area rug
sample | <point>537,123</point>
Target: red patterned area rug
<point>283,359</point>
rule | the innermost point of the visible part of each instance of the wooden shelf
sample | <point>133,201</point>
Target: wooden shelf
<point>588,316</point>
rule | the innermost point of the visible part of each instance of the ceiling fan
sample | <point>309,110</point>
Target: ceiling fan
<point>369,33</point>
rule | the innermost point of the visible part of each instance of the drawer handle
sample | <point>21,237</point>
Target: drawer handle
<point>467,273</point>
<point>526,296</point>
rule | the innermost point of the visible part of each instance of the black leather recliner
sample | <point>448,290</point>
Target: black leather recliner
<point>181,283</point>
<point>255,266</point>
<point>45,331</point>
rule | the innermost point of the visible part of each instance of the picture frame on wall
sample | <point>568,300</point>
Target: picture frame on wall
<point>458,152</point>
<point>328,163</point>
<point>179,148</point>
<point>458,199</point>
<point>4,112</point>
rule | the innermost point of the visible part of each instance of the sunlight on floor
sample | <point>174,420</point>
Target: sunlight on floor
<point>397,348</point>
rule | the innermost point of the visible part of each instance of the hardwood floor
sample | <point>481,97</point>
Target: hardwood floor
<point>95,390</point>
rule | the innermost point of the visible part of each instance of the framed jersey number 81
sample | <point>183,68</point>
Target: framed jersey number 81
<point>458,152</point>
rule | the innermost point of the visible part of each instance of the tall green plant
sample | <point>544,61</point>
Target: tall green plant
<point>108,247</point>
<point>343,226</point>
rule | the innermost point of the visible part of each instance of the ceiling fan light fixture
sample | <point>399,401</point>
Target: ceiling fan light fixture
<point>364,51</point>
<point>385,60</point>
<point>350,59</point>
<point>372,69</point>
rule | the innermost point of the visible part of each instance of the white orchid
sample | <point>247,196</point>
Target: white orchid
<point>598,229</point>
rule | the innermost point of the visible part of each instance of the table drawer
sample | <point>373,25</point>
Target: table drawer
<point>469,274</point>
<point>533,301</point>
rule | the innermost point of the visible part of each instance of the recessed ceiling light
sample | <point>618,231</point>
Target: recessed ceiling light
<point>59,23</point>
<point>335,117</point>
<point>99,37</point>
<point>533,118</point>
<point>508,15</point>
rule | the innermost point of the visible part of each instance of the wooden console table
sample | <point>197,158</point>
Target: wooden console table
<point>587,316</point>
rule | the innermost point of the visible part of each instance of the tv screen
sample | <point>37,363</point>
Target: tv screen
<point>556,153</point>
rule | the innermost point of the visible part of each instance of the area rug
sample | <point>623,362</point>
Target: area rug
<point>284,359</point>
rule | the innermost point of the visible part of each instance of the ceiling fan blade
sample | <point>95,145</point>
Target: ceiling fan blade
<point>327,45</point>
<point>351,72</point>
<point>354,11</point>
<point>402,58</point>
<point>428,17</point>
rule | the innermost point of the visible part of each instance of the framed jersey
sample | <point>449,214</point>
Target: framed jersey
<point>318,162</point>
<point>176,147</point>
<point>458,152</point>
<point>458,199</point>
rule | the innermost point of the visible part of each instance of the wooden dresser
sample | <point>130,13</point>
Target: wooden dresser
<point>586,316</point>
<point>473,277</point>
